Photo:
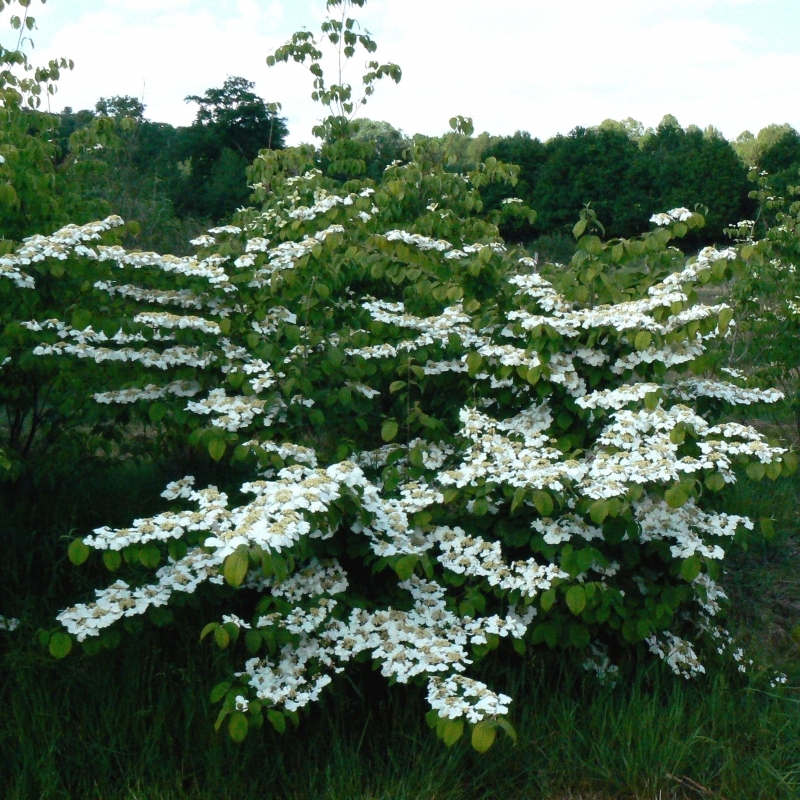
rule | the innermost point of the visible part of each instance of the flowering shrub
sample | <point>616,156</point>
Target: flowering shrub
<point>767,293</point>
<point>44,418</point>
<point>449,450</point>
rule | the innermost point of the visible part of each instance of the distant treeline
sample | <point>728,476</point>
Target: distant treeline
<point>164,175</point>
<point>172,180</point>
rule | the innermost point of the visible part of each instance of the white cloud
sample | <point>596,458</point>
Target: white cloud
<point>536,65</point>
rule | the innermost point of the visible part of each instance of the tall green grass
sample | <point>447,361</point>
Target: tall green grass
<point>136,723</point>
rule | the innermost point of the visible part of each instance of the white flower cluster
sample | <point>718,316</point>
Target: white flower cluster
<point>285,256</point>
<point>232,412</point>
<point>166,359</point>
<point>473,556</point>
<point>8,623</point>
<point>180,321</point>
<point>693,388</point>
<point>149,392</point>
<point>211,268</point>
<point>526,461</point>
<point>687,525</point>
<point>599,663</point>
<point>120,600</point>
<point>427,640</point>
<point>183,298</point>
<point>674,215</point>
<point>678,653</point>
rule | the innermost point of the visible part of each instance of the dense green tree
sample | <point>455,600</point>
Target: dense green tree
<point>781,159</point>
<point>529,154</point>
<point>121,107</point>
<point>687,168</point>
<point>232,125</point>
<point>388,144</point>
<point>591,166</point>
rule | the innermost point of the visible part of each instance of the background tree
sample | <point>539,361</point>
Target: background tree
<point>388,143</point>
<point>687,168</point>
<point>232,125</point>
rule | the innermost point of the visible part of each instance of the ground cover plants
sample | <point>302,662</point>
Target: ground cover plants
<point>437,461</point>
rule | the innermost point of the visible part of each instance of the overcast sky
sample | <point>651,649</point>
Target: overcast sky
<point>545,66</point>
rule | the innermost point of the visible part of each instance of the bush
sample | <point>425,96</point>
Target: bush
<point>449,452</point>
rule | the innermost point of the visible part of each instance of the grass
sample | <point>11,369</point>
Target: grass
<point>136,723</point>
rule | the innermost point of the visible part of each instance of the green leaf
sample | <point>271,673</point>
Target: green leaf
<point>396,386</point>
<point>598,511</point>
<point>216,449</point>
<point>756,470</point>
<point>112,559</point>
<point>236,567</point>
<point>238,726</point>
<point>452,731</point>
<point>404,567</point>
<point>767,528</point>
<point>219,691</point>
<point>78,552</point>
<point>483,735</point>
<point>60,645</point>
<point>579,636</point>
<point>677,435</point>
<point>212,626</point>
<point>715,482</point>
<point>432,718</point>
<point>725,317</point>
<point>474,361</point>
<point>480,507</point>
<point>676,496</point>
<point>149,556</point>
<point>222,638</point>
<point>252,641</point>
<point>416,457</point>
<point>508,728</point>
<point>690,568</point>
<point>642,340</point>
<point>585,558</point>
<point>543,502</point>
<point>547,599</point>
<point>277,720</point>
<point>157,412</point>
<point>576,599</point>
<point>651,400</point>
<point>389,430</point>
<point>177,549</point>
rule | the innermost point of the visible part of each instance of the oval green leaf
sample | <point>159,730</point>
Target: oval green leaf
<point>238,726</point>
<point>235,568</point>
<point>150,556</point>
<point>389,430</point>
<point>60,645</point>
<point>576,599</point>
<point>112,559</point>
<point>483,735</point>
<point>216,449</point>
<point>78,552</point>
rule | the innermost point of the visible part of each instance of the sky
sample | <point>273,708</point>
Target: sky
<point>543,66</point>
